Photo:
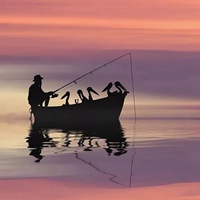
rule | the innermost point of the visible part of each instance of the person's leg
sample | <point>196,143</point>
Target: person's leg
<point>41,102</point>
<point>46,101</point>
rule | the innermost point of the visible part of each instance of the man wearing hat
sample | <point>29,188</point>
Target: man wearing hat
<point>36,95</point>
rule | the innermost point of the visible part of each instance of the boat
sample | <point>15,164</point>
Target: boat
<point>106,110</point>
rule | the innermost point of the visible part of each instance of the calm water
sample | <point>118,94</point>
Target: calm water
<point>159,150</point>
<point>148,153</point>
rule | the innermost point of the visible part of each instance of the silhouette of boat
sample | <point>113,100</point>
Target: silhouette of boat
<point>101,110</point>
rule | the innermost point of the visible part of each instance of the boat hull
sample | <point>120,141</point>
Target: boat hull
<point>101,110</point>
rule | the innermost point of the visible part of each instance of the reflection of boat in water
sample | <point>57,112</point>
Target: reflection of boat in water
<point>38,138</point>
<point>83,137</point>
<point>78,138</point>
<point>104,109</point>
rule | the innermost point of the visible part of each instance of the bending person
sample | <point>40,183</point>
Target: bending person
<point>36,95</point>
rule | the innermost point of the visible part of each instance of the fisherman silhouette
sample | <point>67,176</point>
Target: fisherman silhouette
<point>36,95</point>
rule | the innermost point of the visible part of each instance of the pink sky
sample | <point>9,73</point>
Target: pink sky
<point>46,27</point>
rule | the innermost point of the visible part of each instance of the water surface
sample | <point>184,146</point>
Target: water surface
<point>158,152</point>
<point>148,153</point>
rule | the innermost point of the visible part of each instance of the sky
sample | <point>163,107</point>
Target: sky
<point>48,27</point>
<point>72,37</point>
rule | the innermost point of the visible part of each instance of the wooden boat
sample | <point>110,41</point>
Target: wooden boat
<point>101,110</point>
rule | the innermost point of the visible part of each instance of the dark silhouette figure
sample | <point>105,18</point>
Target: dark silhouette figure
<point>82,96</point>
<point>107,88</point>
<point>89,89</point>
<point>67,94</point>
<point>36,95</point>
<point>120,88</point>
<point>118,85</point>
<point>88,110</point>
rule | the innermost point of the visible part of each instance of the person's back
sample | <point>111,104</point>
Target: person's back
<point>36,96</point>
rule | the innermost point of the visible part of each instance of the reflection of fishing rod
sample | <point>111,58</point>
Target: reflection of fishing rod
<point>99,170</point>
<point>112,177</point>
<point>89,73</point>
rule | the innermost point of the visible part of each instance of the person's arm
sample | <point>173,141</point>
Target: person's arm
<point>52,94</point>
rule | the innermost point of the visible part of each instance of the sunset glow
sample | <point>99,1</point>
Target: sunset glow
<point>33,188</point>
<point>152,47</point>
<point>37,26</point>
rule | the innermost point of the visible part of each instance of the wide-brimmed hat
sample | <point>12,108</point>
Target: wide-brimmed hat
<point>37,77</point>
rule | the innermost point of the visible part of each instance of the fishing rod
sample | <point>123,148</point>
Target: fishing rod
<point>91,72</point>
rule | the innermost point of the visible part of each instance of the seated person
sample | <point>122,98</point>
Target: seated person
<point>36,95</point>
